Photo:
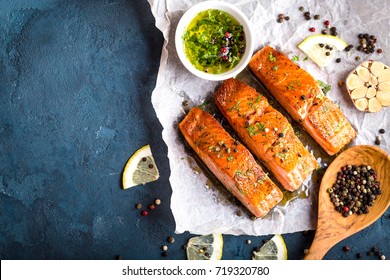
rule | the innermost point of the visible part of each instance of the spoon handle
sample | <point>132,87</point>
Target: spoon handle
<point>320,246</point>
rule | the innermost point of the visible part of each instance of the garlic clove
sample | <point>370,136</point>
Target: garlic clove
<point>373,81</point>
<point>376,68</point>
<point>365,64</point>
<point>361,104</point>
<point>374,105</point>
<point>363,73</point>
<point>371,92</point>
<point>383,97</point>
<point>384,76</point>
<point>359,92</point>
<point>384,86</point>
<point>353,81</point>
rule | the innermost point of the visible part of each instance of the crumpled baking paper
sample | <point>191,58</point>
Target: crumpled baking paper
<point>201,206</point>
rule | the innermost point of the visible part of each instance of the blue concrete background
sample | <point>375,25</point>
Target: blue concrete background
<point>76,79</point>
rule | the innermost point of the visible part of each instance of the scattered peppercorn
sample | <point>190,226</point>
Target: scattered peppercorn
<point>346,248</point>
<point>359,255</point>
<point>312,29</point>
<point>164,254</point>
<point>281,135</point>
<point>118,257</point>
<point>306,251</point>
<point>379,51</point>
<point>338,60</point>
<point>164,248</point>
<point>287,18</point>
<point>157,201</point>
<point>348,48</point>
<point>171,239</point>
<point>383,257</point>
<point>341,83</point>
<point>378,140</point>
<point>382,131</point>
<point>367,43</point>
<point>326,22</point>
<point>301,9</point>
<point>327,53</point>
<point>357,58</point>
<point>152,207</point>
<point>248,241</point>
<point>138,206</point>
<point>144,213</point>
<point>316,17</point>
<point>324,32</point>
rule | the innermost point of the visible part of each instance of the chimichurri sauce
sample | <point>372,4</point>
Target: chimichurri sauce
<point>214,41</point>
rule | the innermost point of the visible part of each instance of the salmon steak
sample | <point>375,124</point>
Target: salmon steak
<point>231,162</point>
<point>299,93</point>
<point>266,133</point>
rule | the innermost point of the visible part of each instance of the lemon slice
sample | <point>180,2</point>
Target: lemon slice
<point>274,249</point>
<point>140,168</point>
<point>322,48</point>
<point>205,247</point>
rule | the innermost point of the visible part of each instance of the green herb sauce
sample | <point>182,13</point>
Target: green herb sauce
<point>214,41</point>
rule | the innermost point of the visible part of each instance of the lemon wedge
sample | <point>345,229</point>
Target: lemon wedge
<point>322,48</point>
<point>273,249</point>
<point>205,247</point>
<point>140,168</point>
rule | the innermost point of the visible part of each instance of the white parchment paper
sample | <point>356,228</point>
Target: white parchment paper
<point>199,205</point>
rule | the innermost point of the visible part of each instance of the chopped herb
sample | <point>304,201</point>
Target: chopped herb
<point>258,98</point>
<point>211,147</point>
<point>255,129</point>
<point>295,58</point>
<point>326,108</point>
<point>230,158</point>
<point>306,58</point>
<point>291,87</point>
<point>260,126</point>
<point>203,105</point>
<point>281,155</point>
<point>251,105</point>
<point>337,128</point>
<point>262,179</point>
<point>324,87</point>
<point>275,68</point>
<point>235,107</point>
<point>238,172</point>
<point>271,57</point>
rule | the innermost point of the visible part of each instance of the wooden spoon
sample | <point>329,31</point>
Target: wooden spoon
<point>332,227</point>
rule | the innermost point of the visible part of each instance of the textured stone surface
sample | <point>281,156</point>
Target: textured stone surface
<point>75,84</point>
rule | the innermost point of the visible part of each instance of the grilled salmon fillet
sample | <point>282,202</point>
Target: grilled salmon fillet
<point>299,93</point>
<point>230,162</point>
<point>266,132</point>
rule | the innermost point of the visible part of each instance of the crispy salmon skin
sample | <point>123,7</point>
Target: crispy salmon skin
<point>230,162</point>
<point>266,132</point>
<point>299,93</point>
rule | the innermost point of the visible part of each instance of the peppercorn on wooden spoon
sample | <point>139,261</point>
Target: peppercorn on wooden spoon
<point>332,227</point>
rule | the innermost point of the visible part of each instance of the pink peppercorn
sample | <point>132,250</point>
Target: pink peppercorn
<point>326,22</point>
<point>144,213</point>
<point>312,29</point>
<point>346,248</point>
<point>346,209</point>
<point>152,207</point>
